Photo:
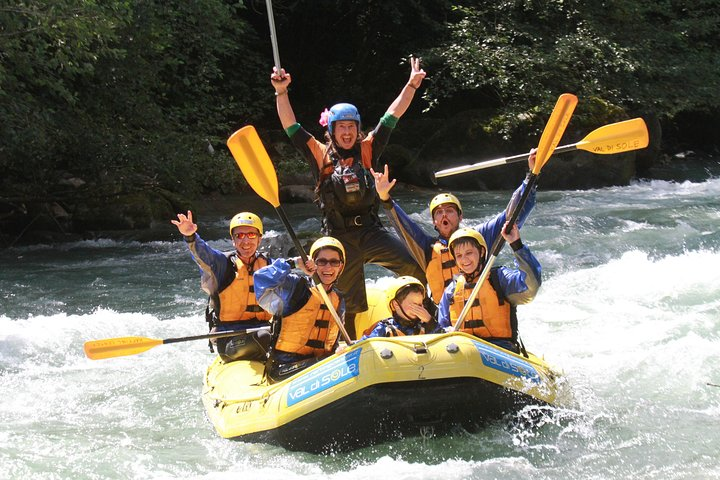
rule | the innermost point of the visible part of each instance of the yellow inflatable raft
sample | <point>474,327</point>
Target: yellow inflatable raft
<point>377,390</point>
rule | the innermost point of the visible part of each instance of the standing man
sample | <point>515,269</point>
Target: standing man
<point>345,188</point>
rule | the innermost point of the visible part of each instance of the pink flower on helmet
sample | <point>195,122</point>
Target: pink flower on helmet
<point>324,117</point>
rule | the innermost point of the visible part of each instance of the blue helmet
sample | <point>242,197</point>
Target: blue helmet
<point>342,111</point>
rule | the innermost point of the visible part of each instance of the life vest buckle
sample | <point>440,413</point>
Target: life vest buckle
<point>357,220</point>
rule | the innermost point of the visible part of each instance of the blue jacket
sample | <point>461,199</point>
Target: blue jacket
<point>384,328</point>
<point>420,244</point>
<point>279,291</point>
<point>214,265</point>
<point>217,272</point>
<point>518,285</point>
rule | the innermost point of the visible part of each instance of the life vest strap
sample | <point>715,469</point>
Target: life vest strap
<point>474,324</point>
<point>315,344</point>
<point>448,264</point>
<point>322,323</point>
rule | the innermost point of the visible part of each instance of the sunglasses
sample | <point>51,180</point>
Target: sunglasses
<point>241,235</point>
<point>323,262</point>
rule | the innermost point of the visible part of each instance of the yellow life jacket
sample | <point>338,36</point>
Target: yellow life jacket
<point>311,330</point>
<point>490,317</point>
<point>237,300</point>
<point>440,270</point>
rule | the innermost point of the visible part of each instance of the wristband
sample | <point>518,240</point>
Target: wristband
<point>281,93</point>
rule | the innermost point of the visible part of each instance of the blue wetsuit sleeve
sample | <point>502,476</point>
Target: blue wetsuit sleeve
<point>521,284</point>
<point>213,264</point>
<point>444,307</point>
<point>274,287</point>
<point>416,240</point>
<point>491,229</point>
<point>380,330</point>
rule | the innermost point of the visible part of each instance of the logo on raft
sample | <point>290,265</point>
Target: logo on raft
<point>506,363</point>
<point>331,374</point>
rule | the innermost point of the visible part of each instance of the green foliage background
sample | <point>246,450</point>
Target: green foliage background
<point>131,94</point>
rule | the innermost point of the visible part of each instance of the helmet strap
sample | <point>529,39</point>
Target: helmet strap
<point>405,316</point>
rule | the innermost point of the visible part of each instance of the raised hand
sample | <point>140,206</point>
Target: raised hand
<point>280,80</point>
<point>185,224</point>
<point>308,268</point>
<point>383,184</point>
<point>531,158</point>
<point>513,235</point>
<point>417,74</point>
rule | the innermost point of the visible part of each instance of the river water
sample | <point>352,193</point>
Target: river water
<point>629,309</point>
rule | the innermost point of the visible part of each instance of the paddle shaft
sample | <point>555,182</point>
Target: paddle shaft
<point>316,278</point>
<point>210,336</point>
<point>609,139</point>
<point>500,161</point>
<point>123,346</point>
<point>273,35</point>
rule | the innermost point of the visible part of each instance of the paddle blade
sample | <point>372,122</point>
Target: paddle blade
<point>118,347</point>
<point>616,138</point>
<point>252,158</point>
<point>559,119</point>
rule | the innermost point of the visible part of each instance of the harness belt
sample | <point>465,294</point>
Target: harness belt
<point>360,220</point>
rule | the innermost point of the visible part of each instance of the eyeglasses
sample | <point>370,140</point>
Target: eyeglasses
<point>241,235</point>
<point>439,211</point>
<point>323,262</point>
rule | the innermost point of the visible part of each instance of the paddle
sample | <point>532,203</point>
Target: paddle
<point>607,140</point>
<point>122,346</point>
<point>551,136</point>
<point>256,166</point>
<point>273,35</point>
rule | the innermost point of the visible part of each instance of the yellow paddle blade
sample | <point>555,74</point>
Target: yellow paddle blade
<point>255,164</point>
<point>616,138</point>
<point>118,347</point>
<point>559,119</point>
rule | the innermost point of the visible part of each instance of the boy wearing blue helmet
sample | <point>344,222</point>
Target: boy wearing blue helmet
<point>345,187</point>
